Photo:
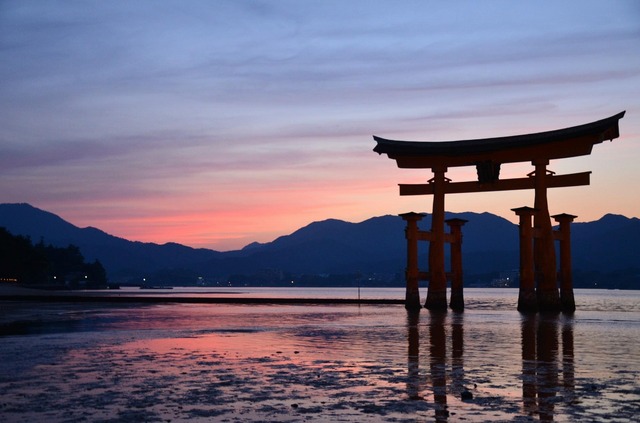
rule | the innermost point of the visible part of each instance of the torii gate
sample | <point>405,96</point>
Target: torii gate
<point>538,277</point>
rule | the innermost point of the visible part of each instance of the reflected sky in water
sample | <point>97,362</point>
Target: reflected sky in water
<point>191,362</point>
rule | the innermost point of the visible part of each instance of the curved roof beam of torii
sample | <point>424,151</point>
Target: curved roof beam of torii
<point>561,143</point>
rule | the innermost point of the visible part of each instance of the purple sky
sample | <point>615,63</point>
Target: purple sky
<point>219,123</point>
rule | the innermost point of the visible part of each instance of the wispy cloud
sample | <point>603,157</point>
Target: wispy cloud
<point>140,117</point>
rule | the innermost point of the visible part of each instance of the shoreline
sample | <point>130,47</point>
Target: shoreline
<point>16,293</point>
<point>191,300</point>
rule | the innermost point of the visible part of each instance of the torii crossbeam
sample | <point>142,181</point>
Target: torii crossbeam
<point>487,155</point>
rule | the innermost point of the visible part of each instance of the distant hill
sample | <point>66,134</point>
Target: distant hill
<point>120,257</point>
<point>603,250</point>
<point>376,245</point>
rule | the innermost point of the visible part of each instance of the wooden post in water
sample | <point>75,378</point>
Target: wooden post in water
<point>412,273</point>
<point>527,301</point>
<point>543,245</point>
<point>437,292</point>
<point>563,234</point>
<point>457,296</point>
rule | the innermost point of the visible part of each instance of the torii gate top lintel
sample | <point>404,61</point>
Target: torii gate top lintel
<point>538,273</point>
<point>543,146</point>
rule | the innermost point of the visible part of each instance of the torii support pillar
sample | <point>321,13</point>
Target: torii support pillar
<point>527,301</point>
<point>566,279</point>
<point>412,297</point>
<point>457,297</point>
<point>437,292</point>
<point>543,244</point>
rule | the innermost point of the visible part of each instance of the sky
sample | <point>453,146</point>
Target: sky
<point>220,123</point>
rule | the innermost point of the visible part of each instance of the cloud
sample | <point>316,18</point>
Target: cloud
<point>119,112</point>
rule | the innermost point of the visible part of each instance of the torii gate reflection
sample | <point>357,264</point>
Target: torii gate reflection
<point>539,280</point>
<point>543,360</point>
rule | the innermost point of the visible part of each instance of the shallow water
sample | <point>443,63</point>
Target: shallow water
<point>215,362</point>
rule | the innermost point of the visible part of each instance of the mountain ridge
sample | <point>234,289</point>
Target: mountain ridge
<point>331,246</point>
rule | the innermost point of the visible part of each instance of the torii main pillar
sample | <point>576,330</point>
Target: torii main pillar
<point>437,293</point>
<point>543,244</point>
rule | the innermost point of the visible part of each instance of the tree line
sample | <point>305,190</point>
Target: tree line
<point>40,264</point>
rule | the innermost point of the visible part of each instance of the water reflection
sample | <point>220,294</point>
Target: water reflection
<point>437,358</point>
<point>540,363</point>
<point>438,363</point>
<point>547,343</point>
<point>414,384</point>
<point>457,352</point>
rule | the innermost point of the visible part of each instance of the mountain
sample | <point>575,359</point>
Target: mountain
<point>609,244</point>
<point>603,250</point>
<point>378,245</point>
<point>119,256</point>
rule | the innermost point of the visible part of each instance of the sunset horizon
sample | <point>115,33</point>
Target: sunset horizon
<point>215,125</point>
<point>304,225</point>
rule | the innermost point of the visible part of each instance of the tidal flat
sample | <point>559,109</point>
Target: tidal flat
<point>370,363</point>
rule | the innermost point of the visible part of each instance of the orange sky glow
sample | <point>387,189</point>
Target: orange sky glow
<point>218,124</point>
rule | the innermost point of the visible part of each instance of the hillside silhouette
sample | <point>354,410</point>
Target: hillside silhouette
<point>41,265</point>
<point>605,252</point>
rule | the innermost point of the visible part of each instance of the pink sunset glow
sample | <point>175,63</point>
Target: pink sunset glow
<point>217,124</point>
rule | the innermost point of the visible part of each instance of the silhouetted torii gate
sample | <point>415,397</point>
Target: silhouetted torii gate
<point>538,277</point>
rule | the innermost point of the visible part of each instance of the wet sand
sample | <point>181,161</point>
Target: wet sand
<point>232,363</point>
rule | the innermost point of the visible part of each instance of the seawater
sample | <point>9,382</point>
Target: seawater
<point>217,362</point>
<point>486,298</point>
